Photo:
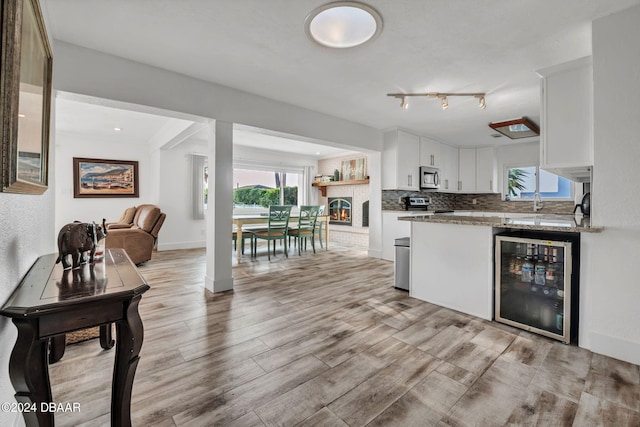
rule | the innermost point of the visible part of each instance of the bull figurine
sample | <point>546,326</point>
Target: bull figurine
<point>78,238</point>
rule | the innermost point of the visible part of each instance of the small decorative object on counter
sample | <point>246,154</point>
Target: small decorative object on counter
<point>336,175</point>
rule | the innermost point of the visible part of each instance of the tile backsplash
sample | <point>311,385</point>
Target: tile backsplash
<point>483,202</point>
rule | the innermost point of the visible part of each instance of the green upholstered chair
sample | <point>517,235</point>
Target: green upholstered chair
<point>277,229</point>
<point>319,225</point>
<point>306,227</point>
<point>245,235</point>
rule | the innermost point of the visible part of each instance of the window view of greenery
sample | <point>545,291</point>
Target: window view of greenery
<point>260,189</point>
<point>522,184</point>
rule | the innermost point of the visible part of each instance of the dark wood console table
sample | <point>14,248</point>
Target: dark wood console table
<point>50,302</point>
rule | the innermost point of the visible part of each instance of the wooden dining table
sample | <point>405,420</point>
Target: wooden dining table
<point>241,220</point>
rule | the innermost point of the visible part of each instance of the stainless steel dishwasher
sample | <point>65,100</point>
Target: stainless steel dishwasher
<point>401,262</point>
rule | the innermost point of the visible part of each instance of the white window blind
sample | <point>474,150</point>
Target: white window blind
<point>198,162</point>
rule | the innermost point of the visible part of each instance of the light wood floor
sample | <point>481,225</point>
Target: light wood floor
<point>324,340</point>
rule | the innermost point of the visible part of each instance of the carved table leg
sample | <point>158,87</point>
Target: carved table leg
<point>106,339</point>
<point>129,333</point>
<point>29,372</point>
<point>56,348</point>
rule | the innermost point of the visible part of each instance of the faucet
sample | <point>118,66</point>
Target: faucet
<point>537,202</point>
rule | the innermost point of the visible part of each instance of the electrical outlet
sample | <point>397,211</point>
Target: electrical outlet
<point>429,200</point>
<point>399,199</point>
<point>474,201</point>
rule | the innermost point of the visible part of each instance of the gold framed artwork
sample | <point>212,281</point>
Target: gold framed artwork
<point>104,178</point>
<point>25,97</point>
<point>354,169</point>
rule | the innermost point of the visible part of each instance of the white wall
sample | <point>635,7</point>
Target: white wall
<point>610,275</point>
<point>180,230</point>
<point>68,208</point>
<point>26,227</point>
<point>26,230</point>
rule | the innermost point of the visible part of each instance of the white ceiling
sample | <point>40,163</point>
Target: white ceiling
<point>492,46</point>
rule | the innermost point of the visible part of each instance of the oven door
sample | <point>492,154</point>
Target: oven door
<point>429,178</point>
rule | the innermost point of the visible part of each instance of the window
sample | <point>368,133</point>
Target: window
<point>259,188</point>
<point>521,183</point>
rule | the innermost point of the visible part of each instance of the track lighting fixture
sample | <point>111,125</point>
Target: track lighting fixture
<point>442,96</point>
<point>481,102</point>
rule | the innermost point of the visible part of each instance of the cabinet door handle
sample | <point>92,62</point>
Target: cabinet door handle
<point>459,185</point>
<point>490,185</point>
<point>433,160</point>
<point>409,180</point>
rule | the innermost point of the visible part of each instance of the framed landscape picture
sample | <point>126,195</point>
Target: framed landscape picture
<point>104,178</point>
<point>354,169</point>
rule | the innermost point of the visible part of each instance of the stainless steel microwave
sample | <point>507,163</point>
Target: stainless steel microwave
<point>429,178</point>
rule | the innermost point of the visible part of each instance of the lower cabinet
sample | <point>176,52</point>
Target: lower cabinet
<point>393,228</point>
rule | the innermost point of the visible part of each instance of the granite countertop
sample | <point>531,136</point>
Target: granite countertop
<point>542,222</point>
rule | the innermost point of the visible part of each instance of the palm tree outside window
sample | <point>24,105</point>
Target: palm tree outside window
<point>523,182</point>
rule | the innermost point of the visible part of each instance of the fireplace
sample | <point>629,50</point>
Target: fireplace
<point>340,210</point>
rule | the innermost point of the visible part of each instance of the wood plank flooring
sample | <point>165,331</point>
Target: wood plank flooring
<point>325,340</point>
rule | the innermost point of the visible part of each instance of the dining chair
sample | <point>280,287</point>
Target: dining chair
<point>245,235</point>
<point>318,227</point>
<point>306,227</point>
<point>277,229</point>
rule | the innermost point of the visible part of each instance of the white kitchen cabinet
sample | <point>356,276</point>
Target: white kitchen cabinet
<point>393,228</point>
<point>467,170</point>
<point>449,171</point>
<point>477,170</point>
<point>430,153</point>
<point>486,176</point>
<point>401,161</point>
<point>566,138</point>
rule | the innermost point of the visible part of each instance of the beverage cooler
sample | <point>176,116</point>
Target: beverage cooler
<point>536,282</point>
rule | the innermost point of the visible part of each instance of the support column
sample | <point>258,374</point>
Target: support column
<point>218,277</point>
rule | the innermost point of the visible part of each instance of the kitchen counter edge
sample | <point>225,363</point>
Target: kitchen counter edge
<point>507,222</point>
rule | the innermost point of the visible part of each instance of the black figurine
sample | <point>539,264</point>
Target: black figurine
<point>78,238</point>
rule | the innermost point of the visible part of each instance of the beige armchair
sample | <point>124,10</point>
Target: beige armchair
<point>139,237</point>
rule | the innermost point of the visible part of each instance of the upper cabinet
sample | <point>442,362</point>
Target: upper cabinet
<point>430,153</point>
<point>467,170</point>
<point>566,125</point>
<point>449,170</point>
<point>477,170</point>
<point>401,161</point>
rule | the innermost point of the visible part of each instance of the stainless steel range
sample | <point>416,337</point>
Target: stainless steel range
<point>415,203</point>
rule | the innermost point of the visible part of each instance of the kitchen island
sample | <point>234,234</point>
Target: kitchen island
<point>452,254</point>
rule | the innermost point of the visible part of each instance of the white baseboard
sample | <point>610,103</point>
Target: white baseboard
<point>617,348</point>
<point>220,285</point>
<point>374,253</point>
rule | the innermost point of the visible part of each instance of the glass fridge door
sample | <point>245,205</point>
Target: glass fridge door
<point>533,285</point>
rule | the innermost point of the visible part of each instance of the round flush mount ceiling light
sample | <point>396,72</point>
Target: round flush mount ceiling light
<point>343,24</point>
